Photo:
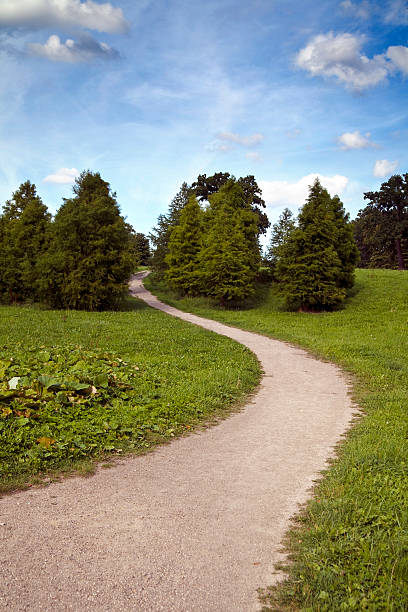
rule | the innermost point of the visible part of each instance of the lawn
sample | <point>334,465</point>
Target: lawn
<point>349,546</point>
<point>78,386</point>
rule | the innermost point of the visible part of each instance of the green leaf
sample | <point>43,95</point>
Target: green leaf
<point>44,356</point>
<point>49,382</point>
<point>102,380</point>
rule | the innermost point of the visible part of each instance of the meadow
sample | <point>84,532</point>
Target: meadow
<point>79,387</point>
<point>348,547</point>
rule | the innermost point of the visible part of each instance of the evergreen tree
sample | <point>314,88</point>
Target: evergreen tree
<point>280,234</point>
<point>374,235</point>
<point>160,234</point>
<point>89,260</point>
<point>391,201</point>
<point>317,261</point>
<point>182,259</point>
<point>24,237</point>
<point>230,254</point>
<point>142,248</point>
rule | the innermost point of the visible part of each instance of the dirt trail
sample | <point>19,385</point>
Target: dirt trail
<point>194,526</point>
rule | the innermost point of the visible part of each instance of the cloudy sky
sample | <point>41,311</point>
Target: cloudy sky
<point>151,93</point>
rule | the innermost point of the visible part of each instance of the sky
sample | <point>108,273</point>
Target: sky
<point>151,93</point>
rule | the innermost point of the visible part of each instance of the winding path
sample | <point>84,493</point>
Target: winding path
<point>195,526</point>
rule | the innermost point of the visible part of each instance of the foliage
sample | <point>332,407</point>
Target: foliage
<point>389,207</point>
<point>89,259</point>
<point>205,186</point>
<point>160,234</point>
<point>161,389</point>
<point>142,248</point>
<point>230,253</point>
<point>316,263</point>
<point>279,236</point>
<point>183,271</point>
<point>374,239</point>
<point>350,546</point>
<point>24,228</point>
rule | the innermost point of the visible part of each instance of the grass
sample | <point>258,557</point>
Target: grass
<point>90,385</point>
<point>348,547</point>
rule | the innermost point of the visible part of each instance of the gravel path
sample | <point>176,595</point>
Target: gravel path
<point>194,526</point>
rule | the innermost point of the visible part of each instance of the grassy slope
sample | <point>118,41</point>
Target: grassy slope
<point>350,545</point>
<point>186,376</point>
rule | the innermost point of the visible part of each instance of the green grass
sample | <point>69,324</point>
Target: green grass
<point>90,385</point>
<point>349,546</point>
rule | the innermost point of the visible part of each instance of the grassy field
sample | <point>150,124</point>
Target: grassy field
<point>75,386</point>
<point>349,547</point>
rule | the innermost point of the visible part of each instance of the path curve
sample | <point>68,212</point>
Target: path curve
<point>195,526</point>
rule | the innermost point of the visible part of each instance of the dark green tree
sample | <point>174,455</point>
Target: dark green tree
<point>315,265</point>
<point>183,270</point>
<point>160,234</point>
<point>392,202</point>
<point>89,260</point>
<point>24,238</point>
<point>230,254</point>
<point>205,186</point>
<point>373,233</point>
<point>142,248</point>
<point>281,231</point>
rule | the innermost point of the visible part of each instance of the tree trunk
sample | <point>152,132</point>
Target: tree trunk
<point>401,265</point>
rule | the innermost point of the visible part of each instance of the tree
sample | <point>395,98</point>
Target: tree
<point>280,234</point>
<point>373,233</point>
<point>183,270</point>
<point>316,263</point>
<point>139,246</point>
<point>230,254</point>
<point>392,202</point>
<point>23,239</point>
<point>205,186</point>
<point>160,234</point>
<point>89,260</point>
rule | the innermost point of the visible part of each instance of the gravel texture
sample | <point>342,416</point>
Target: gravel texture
<point>195,525</point>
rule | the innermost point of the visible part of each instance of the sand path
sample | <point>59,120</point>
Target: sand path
<point>194,526</point>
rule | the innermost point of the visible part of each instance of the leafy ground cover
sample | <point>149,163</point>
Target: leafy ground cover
<point>349,545</point>
<point>75,386</point>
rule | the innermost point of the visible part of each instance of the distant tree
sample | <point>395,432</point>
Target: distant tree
<point>140,247</point>
<point>230,254</point>
<point>89,261</point>
<point>316,264</point>
<point>160,234</point>
<point>392,202</point>
<point>281,231</point>
<point>183,271</point>
<point>373,233</point>
<point>205,186</point>
<point>23,239</point>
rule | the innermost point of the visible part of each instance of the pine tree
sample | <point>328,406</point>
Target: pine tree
<point>230,254</point>
<point>160,234</point>
<point>182,259</point>
<point>317,261</point>
<point>89,260</point>
<point>24,238</point>
<point>279,236</point>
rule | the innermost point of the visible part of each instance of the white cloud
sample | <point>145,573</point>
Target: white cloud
<point>245,141</point>
<point>284,193</point>
<point>340,56</point>
<point>383,167</point>
<point>355,140</point>
<point>86,50</point>
<point>62,14</point>
<point>399,57</point>
<point>397,12</point>
<point>361,10</point>
<point>253,156</point>
<point>63,176</point>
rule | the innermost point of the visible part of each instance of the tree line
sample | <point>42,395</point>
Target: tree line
<point>81,259</point>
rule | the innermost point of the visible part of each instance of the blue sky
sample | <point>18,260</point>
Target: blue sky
<point>153,93</point>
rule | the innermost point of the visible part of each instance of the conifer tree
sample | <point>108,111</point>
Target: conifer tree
<point>317,261</point>
<point>89,260</point>
<point>230,254</point>
<point>281,231</point>
<point>24,238</point>
<point>160,234</point>
<point>183,270</point>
